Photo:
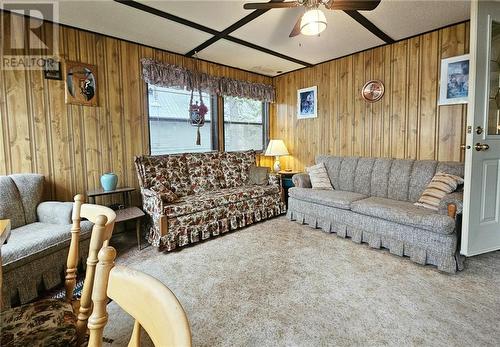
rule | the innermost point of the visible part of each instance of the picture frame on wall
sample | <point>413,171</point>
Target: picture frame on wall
<point>307,103</point>
<point>52,70</point>
<point>454,80</point>
<point>81,84</point>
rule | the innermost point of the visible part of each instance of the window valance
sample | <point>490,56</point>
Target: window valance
<point>168,75</point>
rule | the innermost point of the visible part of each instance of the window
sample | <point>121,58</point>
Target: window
<point>244,124</point>
<point>169,128</point>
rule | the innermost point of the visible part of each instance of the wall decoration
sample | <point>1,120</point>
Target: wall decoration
<point>454,81</point>
<point>52,70</point>
<point>373,91</point>
<point>307,103</point>
<point>81,84</point>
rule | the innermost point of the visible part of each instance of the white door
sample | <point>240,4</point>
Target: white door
<point>481,215</point>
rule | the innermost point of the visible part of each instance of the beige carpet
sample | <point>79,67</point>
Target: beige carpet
<point>278,283</point>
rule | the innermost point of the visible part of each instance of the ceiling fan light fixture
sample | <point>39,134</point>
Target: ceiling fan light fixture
<point>313,22</point>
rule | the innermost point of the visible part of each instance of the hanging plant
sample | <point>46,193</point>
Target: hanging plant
<point>197,114</point>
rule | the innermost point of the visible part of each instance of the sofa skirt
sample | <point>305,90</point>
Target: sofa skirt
<point>194,227</point>
<point>422,246</point>
<point>26,282</point>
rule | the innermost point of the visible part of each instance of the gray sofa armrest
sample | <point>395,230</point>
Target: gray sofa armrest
<point>455,198</point>
<point>301,180</point>
<point>54,212</point>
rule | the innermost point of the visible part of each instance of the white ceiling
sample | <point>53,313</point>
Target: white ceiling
<point>396,18</point>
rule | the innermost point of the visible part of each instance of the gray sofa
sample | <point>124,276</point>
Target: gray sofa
<point>34,258</point>
<point>373,203</point>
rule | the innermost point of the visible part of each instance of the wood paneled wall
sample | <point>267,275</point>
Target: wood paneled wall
<point>406,123</point>
<point>73,145</point>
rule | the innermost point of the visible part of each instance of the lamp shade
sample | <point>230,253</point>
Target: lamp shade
<point>313,22</point>
<point>276,148</point>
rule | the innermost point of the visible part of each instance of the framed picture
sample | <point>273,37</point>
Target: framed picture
<point>81,84</point>
<point>454,81</point>
<point>307,103</point>
<point>52,70</point>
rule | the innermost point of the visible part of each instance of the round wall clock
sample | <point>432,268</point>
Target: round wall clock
<point>373,91</point>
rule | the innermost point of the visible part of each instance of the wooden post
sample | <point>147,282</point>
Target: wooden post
<point>452,210</point>
<point>72,261</point>
<point>96,241</point>
<point>99,317</point>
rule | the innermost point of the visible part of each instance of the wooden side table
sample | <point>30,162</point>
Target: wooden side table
<point>128,213</point>
<point>287,183</point>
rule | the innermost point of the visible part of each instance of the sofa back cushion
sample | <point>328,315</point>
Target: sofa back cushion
<point>30,188</point>
<point>332,165</point>
<point>11,206</point>
<point>236,167</point>
<point>205,171</point>
<point>362,176</point>
<point>398,179</point>
<point>421,176</point>
<point>171,171</point>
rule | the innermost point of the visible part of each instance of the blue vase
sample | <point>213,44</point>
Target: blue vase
<point>109,181</point>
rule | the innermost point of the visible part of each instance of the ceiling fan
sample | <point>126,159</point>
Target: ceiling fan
<point>313,21</point>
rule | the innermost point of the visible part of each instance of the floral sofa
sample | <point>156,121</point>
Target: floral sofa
<point>193,196</point>
<point>373,202</point>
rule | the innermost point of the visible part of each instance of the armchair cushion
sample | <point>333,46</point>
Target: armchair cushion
<point>30,188</point>
<point>11,206</point>
<point>48,322</point>
<point>54,212</point>
<point>30,239</point>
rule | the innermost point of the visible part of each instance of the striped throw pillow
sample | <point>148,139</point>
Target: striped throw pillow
<point>440,185</point>
<point>319,177</point>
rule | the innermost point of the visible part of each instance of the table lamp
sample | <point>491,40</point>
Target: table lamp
<point>276,148</point>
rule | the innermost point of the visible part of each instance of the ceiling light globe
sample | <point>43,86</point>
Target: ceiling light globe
<point>313,22</point>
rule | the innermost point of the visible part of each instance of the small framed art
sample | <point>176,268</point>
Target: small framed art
<point>307,103</point>
<point>454,81</point>
<point>81,84</point>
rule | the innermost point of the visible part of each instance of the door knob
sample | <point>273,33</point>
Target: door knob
<point>481,146</point>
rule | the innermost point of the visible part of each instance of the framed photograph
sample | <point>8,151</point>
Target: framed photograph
<point>454,82</point>
<point>81,84</point>
<point>52,70</point>
<point>307,103</point>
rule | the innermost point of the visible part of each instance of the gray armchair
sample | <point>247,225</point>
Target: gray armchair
<point>34,258</point>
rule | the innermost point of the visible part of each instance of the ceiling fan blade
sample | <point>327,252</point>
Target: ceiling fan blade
<point>349,5</point>
<point>296,28</point>
<point>269,5</point>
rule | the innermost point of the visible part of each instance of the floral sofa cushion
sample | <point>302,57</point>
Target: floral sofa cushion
<point>205,171</point>
<point>48,322</point>
<point>169,171</point>
<point>204,201</point>
<point>236,167</point>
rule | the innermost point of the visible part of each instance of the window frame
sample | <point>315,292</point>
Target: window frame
<point>214,124</point>
<point>217,124</point>
<point>265,126</point>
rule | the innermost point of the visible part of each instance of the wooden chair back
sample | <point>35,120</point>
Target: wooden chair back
<point>152,305</point>
<point>104,220</point>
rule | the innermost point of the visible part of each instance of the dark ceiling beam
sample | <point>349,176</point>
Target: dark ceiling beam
<point>358,17</point>
<point>245,20</point>
<point>183,21</point>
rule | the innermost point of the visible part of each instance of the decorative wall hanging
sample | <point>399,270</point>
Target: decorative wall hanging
<point>373,91</point>
<point>81,84</point>
<point>52,70</point>
<point>307,103</point>
<point>167,75</point>
<point>454,81</point>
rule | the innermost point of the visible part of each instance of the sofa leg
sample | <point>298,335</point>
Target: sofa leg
<point>452,210</point>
